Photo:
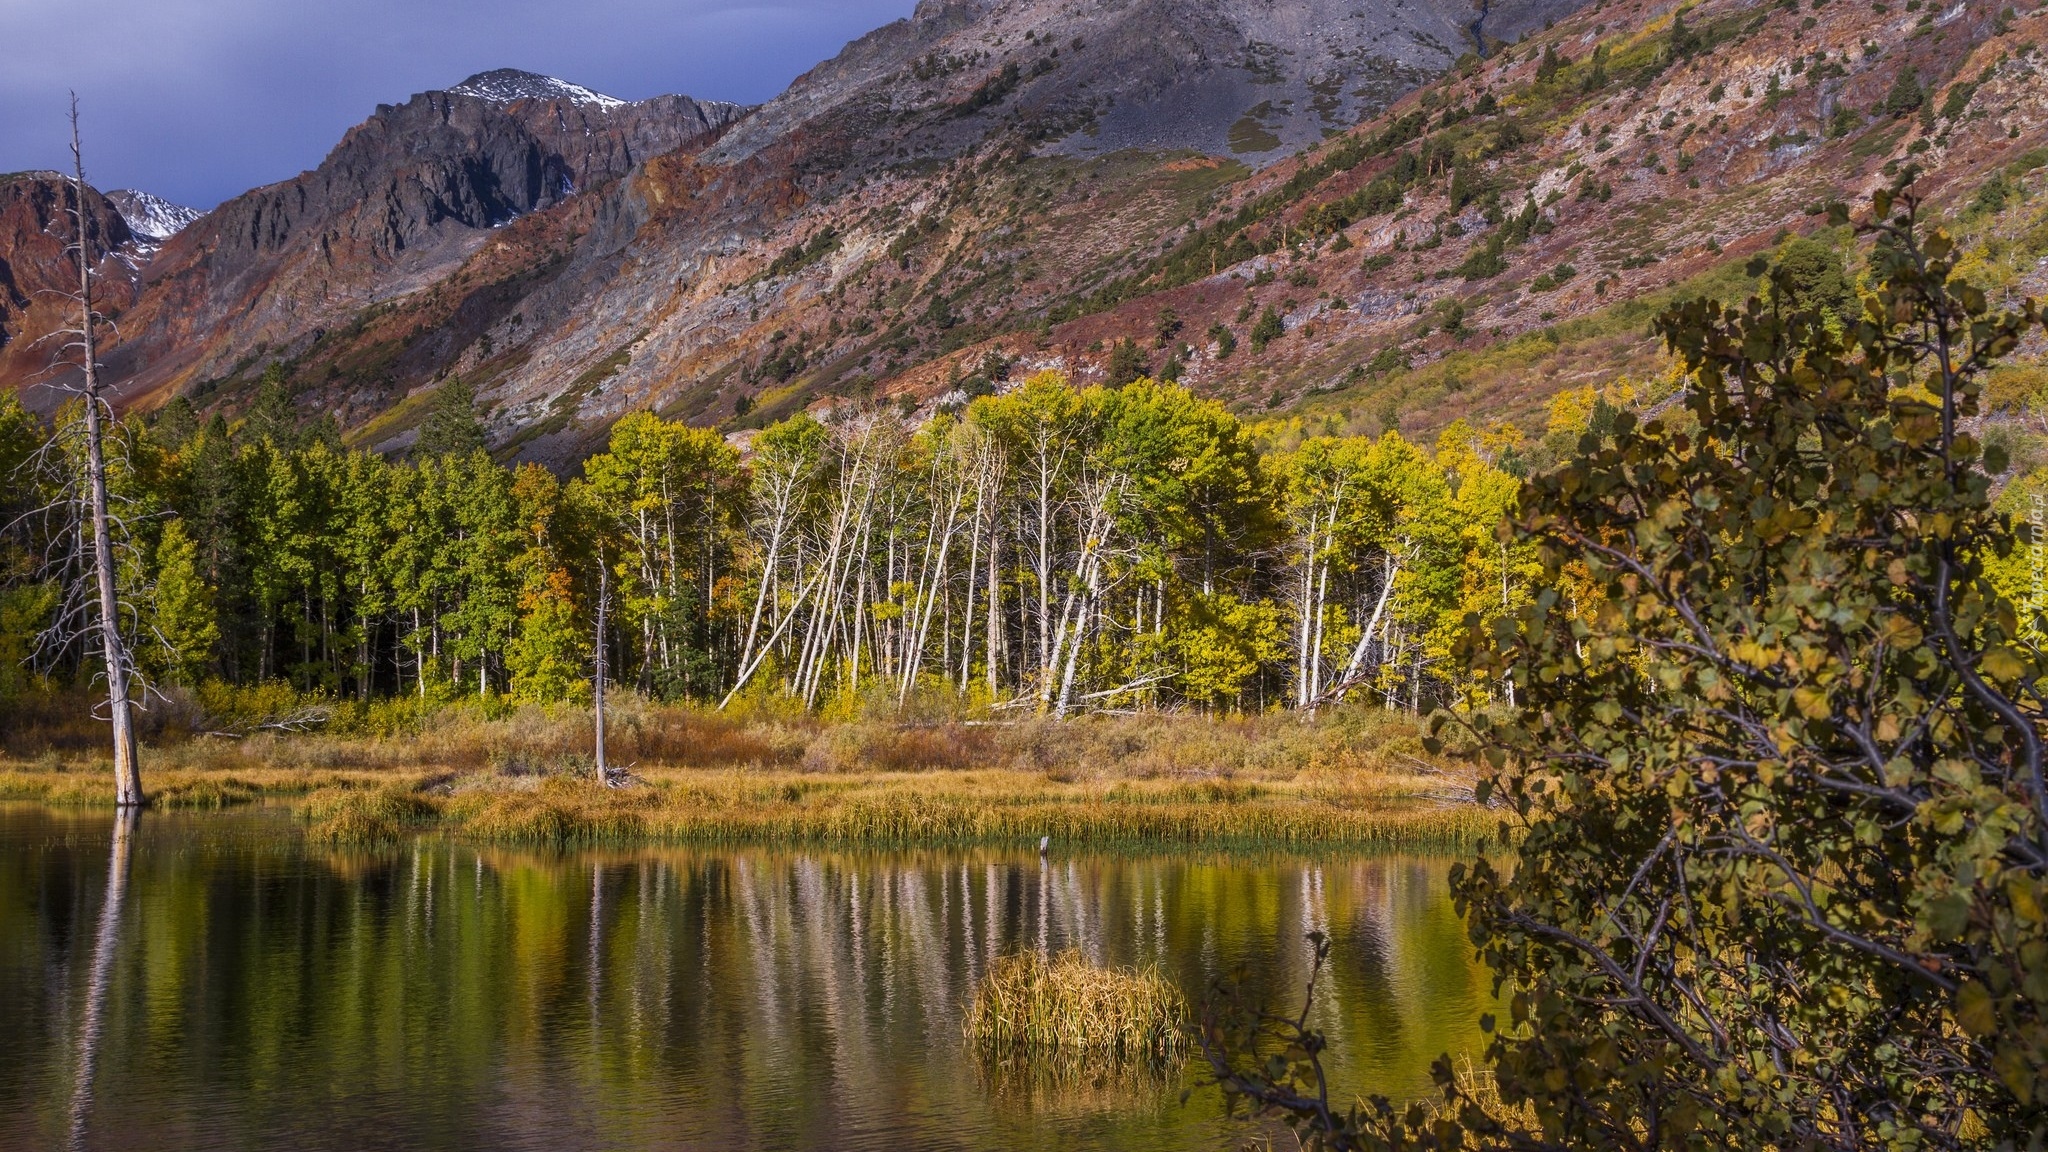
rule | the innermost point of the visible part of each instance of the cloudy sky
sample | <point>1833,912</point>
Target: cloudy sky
<point>198,100</point>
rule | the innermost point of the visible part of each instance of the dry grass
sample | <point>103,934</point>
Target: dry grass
<point>1065,1014</point>
<point>1479,1086</point>
<point>1355,778</point>
<point>354,817</point>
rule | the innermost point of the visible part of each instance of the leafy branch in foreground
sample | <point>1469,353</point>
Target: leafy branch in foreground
<point>1778,818</point>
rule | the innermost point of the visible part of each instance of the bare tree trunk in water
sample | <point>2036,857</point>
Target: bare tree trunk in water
<point>127,775</point>
<point>604,598</point>
<point>105,943</point>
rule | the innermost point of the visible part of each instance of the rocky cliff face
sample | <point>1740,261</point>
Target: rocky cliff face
<point>39,271</point>
<point>400,202</point>
<point>1254,79</point>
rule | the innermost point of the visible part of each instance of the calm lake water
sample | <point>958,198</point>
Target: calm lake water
<point>249,991</point>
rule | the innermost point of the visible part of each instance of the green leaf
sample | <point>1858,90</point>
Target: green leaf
<point>1975,1009</point>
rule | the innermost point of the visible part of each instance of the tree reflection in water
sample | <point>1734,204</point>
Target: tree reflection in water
<point>105,943</point>
<point>246,990</point>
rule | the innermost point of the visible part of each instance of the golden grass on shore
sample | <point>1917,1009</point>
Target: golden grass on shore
<point>1062,1013</point>
<point>1354,779</point>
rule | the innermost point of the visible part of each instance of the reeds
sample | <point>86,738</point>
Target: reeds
<point>1063,1014</point>
<point>352,817</point>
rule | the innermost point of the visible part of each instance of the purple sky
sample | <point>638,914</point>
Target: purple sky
<point>198,100</point>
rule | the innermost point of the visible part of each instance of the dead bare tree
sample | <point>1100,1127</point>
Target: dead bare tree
<point>604,601</point>
<point>99,609</point>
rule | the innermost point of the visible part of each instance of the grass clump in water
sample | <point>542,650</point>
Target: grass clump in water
<point>561,810</point>
<point>356,817</point>
<point>1063,1014</point>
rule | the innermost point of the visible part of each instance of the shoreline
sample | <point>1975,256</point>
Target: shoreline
<point>1355,778</point>
<point>983,808</point>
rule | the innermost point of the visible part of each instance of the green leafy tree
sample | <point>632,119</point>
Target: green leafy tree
<point>486,540</point>
<point>549,658</point>
<point>666,497</point>
<point>1683,41</point>
<point>1170,326</point>
<point>184,623</point>
<point>1221,642</point>
<point>1776,785</point>
<point>1810,278</point>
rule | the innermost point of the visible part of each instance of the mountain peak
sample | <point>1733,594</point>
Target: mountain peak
<point>153,219</point>
<point>506,85</point>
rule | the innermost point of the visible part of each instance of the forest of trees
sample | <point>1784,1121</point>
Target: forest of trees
<point>1050,549</point>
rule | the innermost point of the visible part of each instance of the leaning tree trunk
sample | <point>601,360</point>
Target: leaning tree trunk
<point>127,775</point>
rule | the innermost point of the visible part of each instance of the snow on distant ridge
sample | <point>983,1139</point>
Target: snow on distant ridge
<point>504,85</point>
<point>153,219</point>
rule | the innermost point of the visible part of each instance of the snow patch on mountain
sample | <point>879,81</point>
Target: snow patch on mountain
<point>505,85</point>
<point>153,219</point>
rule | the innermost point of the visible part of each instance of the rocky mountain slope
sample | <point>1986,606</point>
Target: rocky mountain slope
<point>349,273</point>
<point>402,201</point>
<point>988,188</point>
<point>39,270</point>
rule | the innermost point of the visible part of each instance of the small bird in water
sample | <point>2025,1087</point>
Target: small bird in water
<point>1044,845</point>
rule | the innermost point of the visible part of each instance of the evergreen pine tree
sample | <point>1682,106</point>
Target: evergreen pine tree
<point>1126,363</point>
<point>1269,328</point>
<point>175,423</point>
<point>1684,41</point>
<point>452,426</point>
<point>1906,96</point>
<point>274,418</point>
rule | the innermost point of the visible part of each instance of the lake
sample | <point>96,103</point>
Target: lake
<point>251,991</point>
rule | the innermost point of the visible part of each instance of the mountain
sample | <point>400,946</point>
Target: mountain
<point>39,269</point>
<point>1313,207</point>
<point>403,200</point>
<point>630,295</point>
<point>1257,79</point>
<point>152,219</point>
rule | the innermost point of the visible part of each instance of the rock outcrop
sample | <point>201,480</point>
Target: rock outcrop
<point>39,269</point>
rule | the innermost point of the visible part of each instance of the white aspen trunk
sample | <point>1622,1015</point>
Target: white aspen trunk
<point>930,584</point>
<point>1095,526</point>
<point>777,526</point>
<point>1073,653</point>
<point>1303,695</point>
<point>995,614</point>
<point>747,671</point>
<point>967,609</point>
<point>1315,659</point>
<point>1365,640</point>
